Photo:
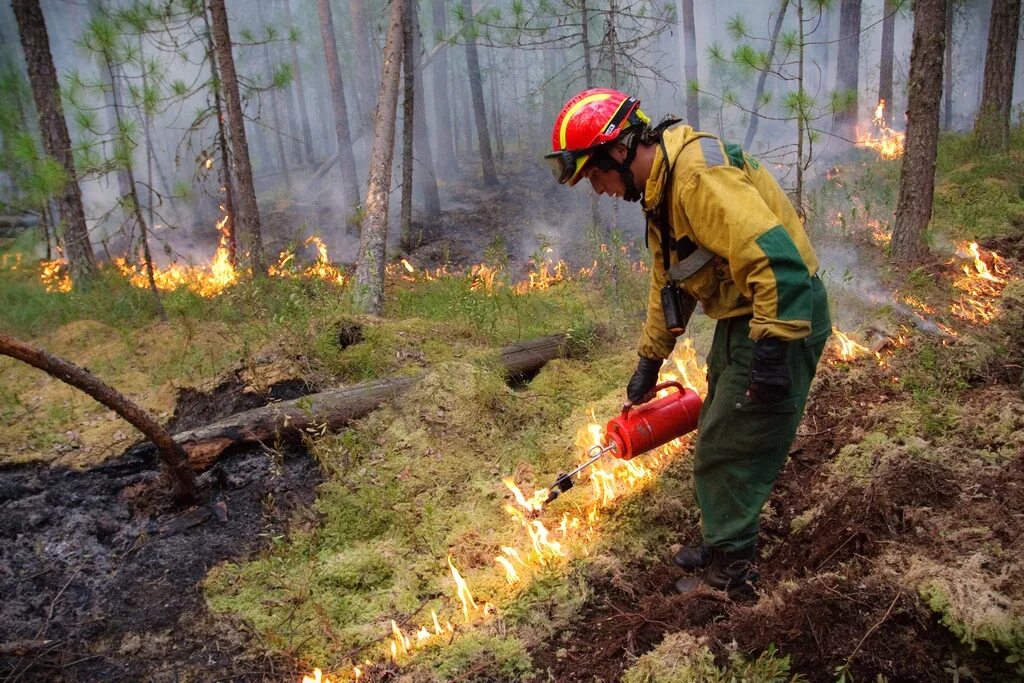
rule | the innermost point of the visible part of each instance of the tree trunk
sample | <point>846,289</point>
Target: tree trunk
<point>300,89</point>
<point>588,66</point>
<point>689,35</point>
<point>364,61</point>
<point>369,280</point>
<point>408,117</point>
<point>992,126</point>
<point>844,123</point>
<point>56,142</point>
<point>132,198</point>
<point>275,111</point>
<point>885,66</point>
<point>228,228</point>
<point>477,91</point>
<point>176,463</point>
<point>426,178</point>
<point>492,79</point>
<point>290,420</point>
<point>947,64</point>
<point>247,215</point>
<point>917,176</point>
<point>442,108</point>
<point>346,160</point>
<point>755,116</point>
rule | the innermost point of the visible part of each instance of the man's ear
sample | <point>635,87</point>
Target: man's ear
<point>618,152</point>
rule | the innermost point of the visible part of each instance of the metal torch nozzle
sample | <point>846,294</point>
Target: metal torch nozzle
<point>564,482</point>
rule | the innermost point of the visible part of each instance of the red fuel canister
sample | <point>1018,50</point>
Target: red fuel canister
<point>645,427</point>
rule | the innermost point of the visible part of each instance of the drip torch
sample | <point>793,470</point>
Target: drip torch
<point>639,429</point>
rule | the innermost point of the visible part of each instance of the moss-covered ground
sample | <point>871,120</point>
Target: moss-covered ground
<point>892,546</point>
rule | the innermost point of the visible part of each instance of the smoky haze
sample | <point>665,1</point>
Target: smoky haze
<point>530,62</point>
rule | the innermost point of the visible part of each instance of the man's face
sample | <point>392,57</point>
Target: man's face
<point>607,182</point>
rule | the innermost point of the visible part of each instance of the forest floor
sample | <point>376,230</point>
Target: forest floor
<point>891,545</point>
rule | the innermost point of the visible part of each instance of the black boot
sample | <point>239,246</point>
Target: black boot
<point>693,556</point>
<point>733,571</point>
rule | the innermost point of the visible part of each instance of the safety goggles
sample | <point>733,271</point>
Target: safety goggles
<point>567,164</point>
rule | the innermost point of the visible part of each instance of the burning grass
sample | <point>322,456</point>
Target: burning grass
<point>422,493</point>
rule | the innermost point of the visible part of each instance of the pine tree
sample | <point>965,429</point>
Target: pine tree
<point>992,125</point>
<point>924,90</point>
<point>54,131</point>
<point>369,280</point>
<point>247,218</point>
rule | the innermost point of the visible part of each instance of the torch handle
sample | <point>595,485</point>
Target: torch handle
<point>664,385</point>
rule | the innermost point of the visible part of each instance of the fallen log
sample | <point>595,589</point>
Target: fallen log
<point>290,421</point>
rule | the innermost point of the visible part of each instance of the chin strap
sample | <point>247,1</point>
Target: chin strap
<point>632,138</point>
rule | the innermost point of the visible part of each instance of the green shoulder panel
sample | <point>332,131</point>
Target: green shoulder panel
<point>735,155</point>
<point>792,279</point>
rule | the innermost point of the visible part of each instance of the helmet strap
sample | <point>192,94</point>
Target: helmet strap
<point>604,160</point>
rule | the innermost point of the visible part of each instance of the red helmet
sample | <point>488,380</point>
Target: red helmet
<point>592,118</point>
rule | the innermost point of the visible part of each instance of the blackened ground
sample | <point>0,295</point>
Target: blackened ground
<point>97,565</point>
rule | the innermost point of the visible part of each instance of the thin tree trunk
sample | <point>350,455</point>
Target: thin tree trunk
<point>369,280</point>
<point>885,66</point>
<point>56,142</point>
<point>346,160</point>
<point>275,111</point>
<point>364,60</point>
<point>300,89</point>
<point>844,123</point>
<point>492,78</point>
<point>442,110</point>
<point>755,117</point>
<point>924,89</point>
<point>800,123</point>
<point>228,228</point>
<point>247,219</point>
<point>477,92</point>
<point>177,466</point>
<point>408,129</point>
<point>424,163</point>
<point>689,35</point>
<point>588,67</point>
<point>992,126</point>
<point>132,198</point>
<point>947,64</point>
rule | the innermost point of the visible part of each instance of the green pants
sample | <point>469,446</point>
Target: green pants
<point>741,446</point>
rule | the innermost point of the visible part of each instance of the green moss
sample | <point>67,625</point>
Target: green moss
<point>974,617</point>
<point>683,658</point>
<point>479,657</point>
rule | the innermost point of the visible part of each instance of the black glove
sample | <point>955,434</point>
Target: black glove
<point>643,380</point>
<point>769,374</point>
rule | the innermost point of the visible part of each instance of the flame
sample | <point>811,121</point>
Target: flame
<point>534,504</point>
<point>408,266</point>
<point>846,348</point>
<point>483,278</point>
<point>465,597</point>
<point>884,140</point>
<point>317,677</point>
<point>55,275</point>
<point>980,287</point>
<point>206,281</point>
<point>546,275</point>
<point>541,546</point>
<point>401,642</point>
<point>511,575</point>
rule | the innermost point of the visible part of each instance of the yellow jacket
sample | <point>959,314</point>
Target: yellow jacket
<point>761,262</point>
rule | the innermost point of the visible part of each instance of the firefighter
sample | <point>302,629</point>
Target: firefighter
<point>723,234</point>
